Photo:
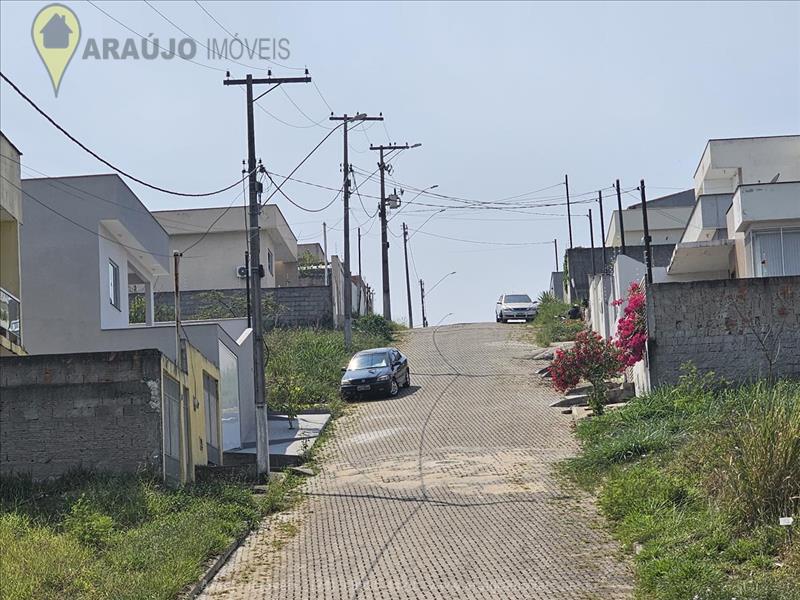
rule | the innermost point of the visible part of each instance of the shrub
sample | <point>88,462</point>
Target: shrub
<point>632,326</point>
<point>591,358</point>
<point>376,325</point>
<point>87,525</point>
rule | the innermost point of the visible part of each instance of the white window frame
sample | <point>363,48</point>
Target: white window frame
<point>755,261</point>
<point>270,262</point>
<point>113,285</point>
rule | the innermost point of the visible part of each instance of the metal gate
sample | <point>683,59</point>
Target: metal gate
<point>172,430</point>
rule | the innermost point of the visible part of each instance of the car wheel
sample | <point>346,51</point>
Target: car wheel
<point>394,388</point>
<point>407,382</point>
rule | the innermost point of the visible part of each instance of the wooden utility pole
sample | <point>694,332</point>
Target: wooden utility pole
<point>384,152</point>
<point>256,269</point>
<point>408,281</point>
<point>648,258</point>
<point>619,212</point>
<point>348,282</point>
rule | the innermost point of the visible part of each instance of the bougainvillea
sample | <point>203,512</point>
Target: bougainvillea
<point>632,326</point>
<point>591,358</point>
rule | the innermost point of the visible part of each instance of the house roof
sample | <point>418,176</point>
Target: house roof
<point>678,199</point>
<point>13,145</point>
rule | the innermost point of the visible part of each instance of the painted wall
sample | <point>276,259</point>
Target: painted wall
<point>64,279</point>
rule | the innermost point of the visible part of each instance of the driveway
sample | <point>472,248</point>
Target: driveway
<point>445,491</point>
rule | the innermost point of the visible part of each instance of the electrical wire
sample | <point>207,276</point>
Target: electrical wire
<point>79,225</point>
<point>221,26</point>
<point>361,201</point>
<point>311,210</point>
<point>489,243</point>
<point>109,164</point>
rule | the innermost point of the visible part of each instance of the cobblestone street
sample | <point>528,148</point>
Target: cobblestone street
<point>445,491</point>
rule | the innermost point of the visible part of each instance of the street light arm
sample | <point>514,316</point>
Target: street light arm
<point>440,281</point>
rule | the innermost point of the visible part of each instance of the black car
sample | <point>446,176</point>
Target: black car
<point>378,370</point>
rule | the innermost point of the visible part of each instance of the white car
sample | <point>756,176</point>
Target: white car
<point>515,306</point>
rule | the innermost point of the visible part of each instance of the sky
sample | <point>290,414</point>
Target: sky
<point>505,98</point>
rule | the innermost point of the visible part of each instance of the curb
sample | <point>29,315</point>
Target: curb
<point>212,571</point>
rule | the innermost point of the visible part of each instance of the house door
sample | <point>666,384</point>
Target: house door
<point>172,431</point>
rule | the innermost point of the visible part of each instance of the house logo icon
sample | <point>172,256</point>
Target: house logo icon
<point>56,33</point>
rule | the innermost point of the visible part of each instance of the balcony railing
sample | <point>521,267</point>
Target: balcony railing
<point>10,324</point>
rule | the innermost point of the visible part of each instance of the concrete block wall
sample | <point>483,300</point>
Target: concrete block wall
<point>100,411</point>
<point>307,306</point>
<point>720,326</point>
<point>579,265</point>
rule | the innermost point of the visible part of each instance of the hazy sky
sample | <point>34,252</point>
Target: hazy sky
<point>505,98</point>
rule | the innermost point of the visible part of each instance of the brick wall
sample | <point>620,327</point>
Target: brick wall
<point>720,326</point>
<point>296,306</point>
<point>579,265</point>
<point>101,411</point>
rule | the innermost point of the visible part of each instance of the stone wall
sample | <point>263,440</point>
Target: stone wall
<point>308,306</point>
<point>100,411</point>
<point>579,265</point>
<point>733,327</point>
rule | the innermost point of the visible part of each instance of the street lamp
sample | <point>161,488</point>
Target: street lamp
<point>440,281</point>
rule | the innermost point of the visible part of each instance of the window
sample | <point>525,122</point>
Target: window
<point>113,284</point>
<point>776,252</point>
<point>270,261</point>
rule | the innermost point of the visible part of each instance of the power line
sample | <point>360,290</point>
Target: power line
<point>107,163</point>
<point>489,243</point>
<point>311,210</point>
<point>153,42</point>
<point>225,29</point>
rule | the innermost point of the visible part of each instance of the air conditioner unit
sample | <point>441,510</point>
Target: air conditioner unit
<point>241,272</point>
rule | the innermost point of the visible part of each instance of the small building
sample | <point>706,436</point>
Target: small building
<point>87,243</point>
<point>10,269</point>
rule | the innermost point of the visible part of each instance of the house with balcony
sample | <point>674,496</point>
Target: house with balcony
<point>727,298</point>
<point>87,243</point>
<point>10,271</point>
<point>746,221</point>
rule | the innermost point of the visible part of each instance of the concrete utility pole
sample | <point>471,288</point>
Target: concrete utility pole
<point>569,215</point>
<point>619,212</point>
<point>408,281</point>
<point>555,247</point>
<point>348,282</point>
<point>256,268</point>
<point>602,227</point>
<point>591,237</point>
<point>176,259</point>
<point>648,258</point>
<point>422,300</point>
<point>325,248</point>
<point>384,152</point>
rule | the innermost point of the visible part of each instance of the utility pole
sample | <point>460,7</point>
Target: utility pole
<point>256,269</point>
<point>648,259</point>
<point>555,247</point>
<point>408,281</point>
<point>247,284</point>
<point>602,227</point>
<point>619,212</point>
<point>348,282</point>
<point>422,298</point>
<point>176,259</point>
<point>384,152</point>
<point>569,215</point>
<point>359,251</point>
<point>591,237</point>
<point>325,248</point>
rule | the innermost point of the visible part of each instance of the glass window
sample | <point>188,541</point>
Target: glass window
<point>210,394</point>
<point>776,252</point>
<point>270,262</point>
<point>518,298</point>
<point>113,283</point>
<point>791,251</point>
<point>373,360</point>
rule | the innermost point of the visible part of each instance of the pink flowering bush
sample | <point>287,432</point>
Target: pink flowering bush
<point>632,326</point>
<point>591,358</point>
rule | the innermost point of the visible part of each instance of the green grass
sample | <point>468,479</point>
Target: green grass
<point>119,537</point>
<point>695,478</point>
<point>549,327</point>
<point>304,368</point>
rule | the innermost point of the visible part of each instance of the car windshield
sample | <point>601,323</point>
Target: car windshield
<point>517,298</point>
<point>372,360</point>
